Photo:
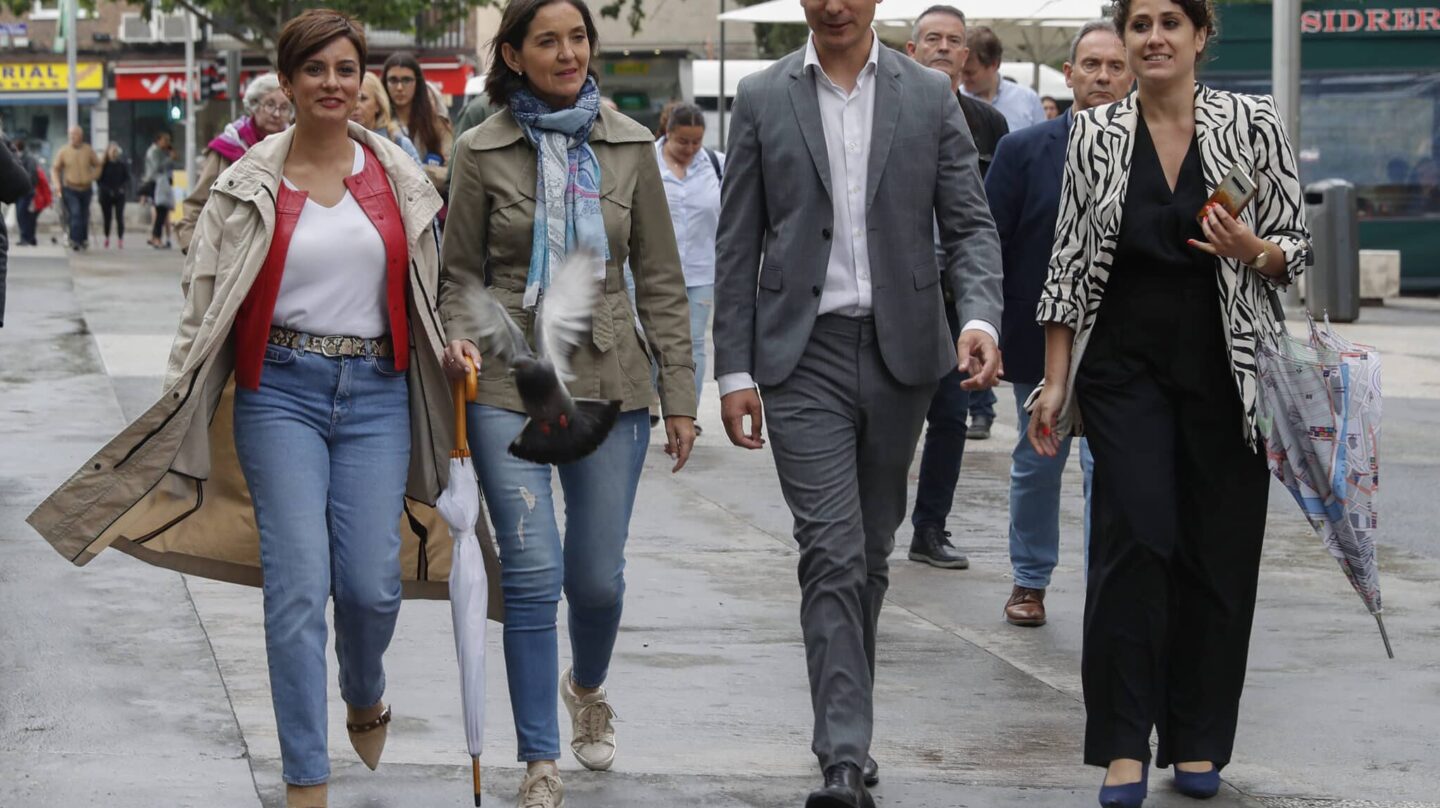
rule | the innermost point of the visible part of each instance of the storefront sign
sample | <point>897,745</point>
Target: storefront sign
<point>154,82</point>
<point>49,77</point>
<point>1370,20</point>
<point>447,77</point>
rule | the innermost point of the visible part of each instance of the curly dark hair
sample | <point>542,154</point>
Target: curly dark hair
<point>1201,13</point>
<point>502,82</point>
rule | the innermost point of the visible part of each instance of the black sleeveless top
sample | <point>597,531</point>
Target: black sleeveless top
<point>1156,222</point>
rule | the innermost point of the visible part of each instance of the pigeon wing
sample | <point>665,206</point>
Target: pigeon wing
<point>564,320</point>
<point>500,333</point>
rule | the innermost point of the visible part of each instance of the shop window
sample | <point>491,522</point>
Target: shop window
<point>1380,131</point>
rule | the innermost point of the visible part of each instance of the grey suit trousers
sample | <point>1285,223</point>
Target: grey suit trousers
<point>843,432</point>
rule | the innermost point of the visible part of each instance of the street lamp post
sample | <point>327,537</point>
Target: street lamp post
<point>720,94</point>
<point>72,98</point>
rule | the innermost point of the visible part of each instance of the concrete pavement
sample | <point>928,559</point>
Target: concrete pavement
<point>129,685</point>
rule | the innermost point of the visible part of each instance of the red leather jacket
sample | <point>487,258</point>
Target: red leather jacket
<point>371,190</point>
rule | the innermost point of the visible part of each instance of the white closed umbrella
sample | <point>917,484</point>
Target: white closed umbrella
<point>459,504</point>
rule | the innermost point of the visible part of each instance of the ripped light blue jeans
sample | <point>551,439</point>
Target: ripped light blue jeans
<point>589,565</point>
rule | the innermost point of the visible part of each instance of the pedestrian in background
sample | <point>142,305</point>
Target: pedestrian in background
<point>1151,320</point>
<point>1024,192</point>
<point>553,170</point>
<point>372,111</point>
<point>844,157</point>
<point>414,107</point>
<point>267,112</point>
<point>938,41</point>
<point>1019,104</point>
<point>159,166</point>
<point>1051,107</point>
<point>25,211</point>
<point>76,166</point>
<point>14,187</point>
<point>692,175</point>
<point>114,184</point>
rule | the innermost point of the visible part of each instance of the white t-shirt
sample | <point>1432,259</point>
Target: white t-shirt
<point>334,281</point>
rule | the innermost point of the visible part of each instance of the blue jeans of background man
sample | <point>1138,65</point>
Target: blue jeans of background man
<point>535,565</point>
<point>77,209</point>
<point>1035,502</point>
<point>702,300</point>
<point>25,217</point>
<point>982,405</point>
<point>944,446</point>
<point>325,448</point>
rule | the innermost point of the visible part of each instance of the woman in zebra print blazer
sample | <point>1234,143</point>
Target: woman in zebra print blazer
<point>1151,322</point>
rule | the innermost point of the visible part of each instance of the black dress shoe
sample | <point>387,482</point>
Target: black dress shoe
<point>843,789</point>
<point>932,546</point>
<point>870,773</point>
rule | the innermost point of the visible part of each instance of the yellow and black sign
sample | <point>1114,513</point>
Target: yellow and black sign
<point>49,77</point>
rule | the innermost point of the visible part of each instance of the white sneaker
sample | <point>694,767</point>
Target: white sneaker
<point>542,789</point>
<point>593,734</point>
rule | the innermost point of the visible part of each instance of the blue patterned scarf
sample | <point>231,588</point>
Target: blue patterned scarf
<point>567,184</point>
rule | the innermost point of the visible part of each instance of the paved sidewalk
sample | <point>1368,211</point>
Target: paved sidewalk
<point>126,685</point>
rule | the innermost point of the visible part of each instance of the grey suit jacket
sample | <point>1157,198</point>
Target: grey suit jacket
<point>776,217</point>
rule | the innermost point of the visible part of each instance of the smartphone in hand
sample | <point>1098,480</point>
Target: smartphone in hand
<point>1233,194</point>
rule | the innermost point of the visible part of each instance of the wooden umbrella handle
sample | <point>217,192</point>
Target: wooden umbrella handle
<point>465,390</point>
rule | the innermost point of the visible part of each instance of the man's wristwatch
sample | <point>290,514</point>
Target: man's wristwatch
<point>1260,261</point>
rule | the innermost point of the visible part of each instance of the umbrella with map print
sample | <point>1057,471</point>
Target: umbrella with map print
<point>1320,416</point>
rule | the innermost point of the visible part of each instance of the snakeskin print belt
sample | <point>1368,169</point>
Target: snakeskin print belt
<point>331,346</point>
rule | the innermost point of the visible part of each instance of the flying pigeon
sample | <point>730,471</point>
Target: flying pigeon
<point>561,428</point>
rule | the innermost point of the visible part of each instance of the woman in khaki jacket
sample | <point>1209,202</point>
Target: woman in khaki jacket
<point>313,275</point>
<point>512,188</point>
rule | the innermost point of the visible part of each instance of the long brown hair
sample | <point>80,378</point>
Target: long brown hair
<point>423,122</point>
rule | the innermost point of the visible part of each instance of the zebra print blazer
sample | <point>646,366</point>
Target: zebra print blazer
<point>1233,130</point>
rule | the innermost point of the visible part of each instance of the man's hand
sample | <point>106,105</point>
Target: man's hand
<point>980,357</point>
<point>733,409</point>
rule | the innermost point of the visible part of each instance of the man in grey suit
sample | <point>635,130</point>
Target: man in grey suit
<point>843,158</point>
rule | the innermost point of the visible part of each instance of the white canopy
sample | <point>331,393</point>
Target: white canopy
<point>904,10</point>
<point>1052,81</point>
<point>705,75</point>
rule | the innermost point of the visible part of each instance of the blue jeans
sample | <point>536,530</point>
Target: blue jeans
<point>982,405</point>
<point>77,209</point>
<point>325,448</point>
<point>1035,502</point>
<point>702,300</point>
<point>535,565</point>
<point>25,217</point>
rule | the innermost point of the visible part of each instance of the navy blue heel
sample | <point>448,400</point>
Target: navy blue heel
<point>1130,795</point>
<point>1199,785</point>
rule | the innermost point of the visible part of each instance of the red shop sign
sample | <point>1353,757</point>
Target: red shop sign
<point>448,77</point>
<point>154,82</point>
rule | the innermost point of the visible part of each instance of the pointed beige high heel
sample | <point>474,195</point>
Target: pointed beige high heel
<point>306,796</point>
<point>367,731</point>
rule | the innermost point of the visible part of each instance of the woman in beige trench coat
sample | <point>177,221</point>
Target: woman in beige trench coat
<point>169,489</point>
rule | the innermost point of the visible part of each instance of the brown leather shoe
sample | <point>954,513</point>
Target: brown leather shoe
<point>1026,607</point>
<point>306,796</point>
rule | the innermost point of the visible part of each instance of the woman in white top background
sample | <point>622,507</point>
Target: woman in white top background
<point>692,175</point>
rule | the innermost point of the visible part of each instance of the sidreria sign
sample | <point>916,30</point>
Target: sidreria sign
<point>1370,20</point>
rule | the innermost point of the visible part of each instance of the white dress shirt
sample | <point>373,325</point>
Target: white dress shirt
<point>848,119</point>
<point>694,212</point>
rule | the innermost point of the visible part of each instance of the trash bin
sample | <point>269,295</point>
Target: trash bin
<point>1332,285</point>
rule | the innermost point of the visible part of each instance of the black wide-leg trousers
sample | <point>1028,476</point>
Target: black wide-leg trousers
<point>1178,515</point>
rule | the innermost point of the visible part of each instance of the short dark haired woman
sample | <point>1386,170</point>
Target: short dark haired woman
<point>328,347</point>
<point>1151,318</point>
<point>412,105</point>
<point>548,172</point>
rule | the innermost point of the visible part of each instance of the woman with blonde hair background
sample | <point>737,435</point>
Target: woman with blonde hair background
<point>372,111</point>
<point>1152,309</point>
